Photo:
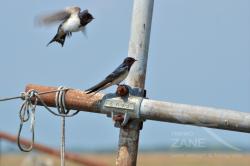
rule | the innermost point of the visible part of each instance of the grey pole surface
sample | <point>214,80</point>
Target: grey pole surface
<point>195,115</point>
<point>138,48</point>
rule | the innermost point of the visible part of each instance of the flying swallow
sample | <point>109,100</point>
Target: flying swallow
<point>115,78</point>
<point>72,20</point>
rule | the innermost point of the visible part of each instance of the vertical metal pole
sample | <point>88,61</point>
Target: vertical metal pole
<point>0,151</point>
<point>138,48</point>
<point>139,41</point>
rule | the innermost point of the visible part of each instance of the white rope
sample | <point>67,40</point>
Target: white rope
<point>63,142</point>
<point>24,115</point>
<point>61,108</point>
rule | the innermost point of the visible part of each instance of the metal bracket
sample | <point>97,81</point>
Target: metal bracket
<point>129,107</point>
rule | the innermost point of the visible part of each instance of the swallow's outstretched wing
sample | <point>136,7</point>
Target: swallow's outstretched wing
<point>59,16</point>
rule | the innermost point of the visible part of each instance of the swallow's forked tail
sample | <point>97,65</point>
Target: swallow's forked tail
<point>98,87</point>
<point>60,38</point>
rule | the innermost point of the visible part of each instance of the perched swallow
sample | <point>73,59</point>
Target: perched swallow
<point>117,76</point>
<point>72,20</point>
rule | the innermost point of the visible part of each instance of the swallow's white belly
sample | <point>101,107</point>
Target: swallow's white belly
<point>72,24</point>
<point>120,79</point>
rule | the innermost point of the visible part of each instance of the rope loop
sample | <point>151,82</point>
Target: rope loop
<point>28,108</point>
<point>60,101</point>
<point>26,112</point>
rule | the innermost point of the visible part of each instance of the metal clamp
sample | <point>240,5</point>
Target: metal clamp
<point>129,107</point>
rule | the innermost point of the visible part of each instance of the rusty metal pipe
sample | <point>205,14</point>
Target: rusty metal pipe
<point>74,99</point>
<point>68,156</point>
<point>195,115</point>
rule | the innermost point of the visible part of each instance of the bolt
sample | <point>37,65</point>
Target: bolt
<point>122,90</point>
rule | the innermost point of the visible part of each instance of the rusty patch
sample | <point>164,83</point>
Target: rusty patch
<point>128,145</point>
<point>74,99</point>
<point>122,90</point>
<point>118,118</point>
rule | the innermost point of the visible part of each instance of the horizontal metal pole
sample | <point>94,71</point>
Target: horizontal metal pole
<point>152,110</point>
<point>74,99</point>
<point>195,115</point>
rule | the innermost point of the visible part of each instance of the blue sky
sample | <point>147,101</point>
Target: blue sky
<point>199,54</point>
